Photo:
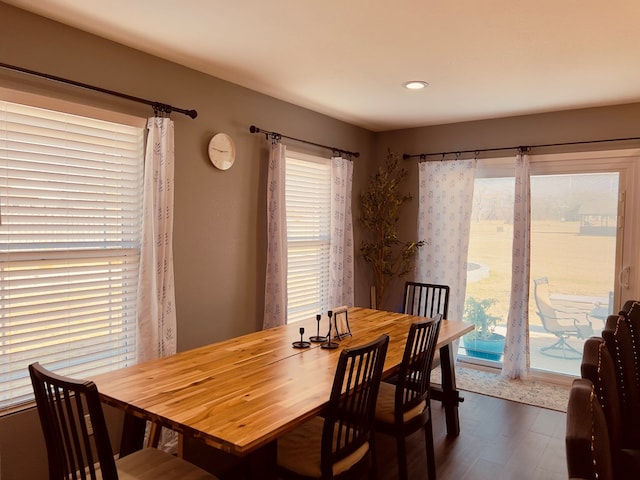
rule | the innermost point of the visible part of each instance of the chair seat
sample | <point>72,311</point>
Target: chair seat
<point>154,464</point>
<point>299,451</point>
<point>386,403</point>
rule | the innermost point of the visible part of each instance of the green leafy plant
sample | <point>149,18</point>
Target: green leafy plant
<point>476,312</point>
<point>380,207</point>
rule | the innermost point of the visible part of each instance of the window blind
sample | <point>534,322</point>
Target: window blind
<point>307,192</point>
<point>70,220</point>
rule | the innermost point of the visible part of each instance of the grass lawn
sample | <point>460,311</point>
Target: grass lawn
<point>580,265</point>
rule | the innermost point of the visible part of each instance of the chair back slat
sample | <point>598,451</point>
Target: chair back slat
<point>349,417</point>
<point>413,385</point>
<point>426,299</point>
<point>74,427</point>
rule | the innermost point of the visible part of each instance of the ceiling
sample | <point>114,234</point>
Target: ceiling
<point>349,58</point>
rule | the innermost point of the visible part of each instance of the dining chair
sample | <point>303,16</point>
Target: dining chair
<point>562,323</point>
<point>624,351</point>
<point>587,438</point>
<point>77,439</point>
<point>339,444</point>
<point>597,366</point>
<point>405,408</point>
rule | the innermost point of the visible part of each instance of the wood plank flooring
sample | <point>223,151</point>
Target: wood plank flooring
<point>499,440</point>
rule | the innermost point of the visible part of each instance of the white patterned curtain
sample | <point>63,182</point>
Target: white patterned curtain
<point>341,253</point>
<point>444,220</point>
<point>275,295</point>
<point>156,296</point>
<point>516,354</point>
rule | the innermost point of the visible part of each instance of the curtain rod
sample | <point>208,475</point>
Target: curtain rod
<point>522,148</point>
<point>277,136</point>
<point>157,106</point>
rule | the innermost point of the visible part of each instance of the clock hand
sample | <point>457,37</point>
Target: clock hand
<point>219,149</point>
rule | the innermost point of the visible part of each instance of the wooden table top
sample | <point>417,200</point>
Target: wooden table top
<point>240,394</point>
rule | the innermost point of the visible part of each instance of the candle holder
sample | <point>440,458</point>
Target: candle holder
<point>301,343</point>
<point>317,338</point>
<point>328,344</point>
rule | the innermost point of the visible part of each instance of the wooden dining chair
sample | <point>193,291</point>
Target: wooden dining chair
<point>77,440</point>
<point>587,437</point>
<point>405,408</point>
<point>426,299</point>
<point>339,444</point>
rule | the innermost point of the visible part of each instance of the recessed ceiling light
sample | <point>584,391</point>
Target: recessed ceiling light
<point>415,84</point>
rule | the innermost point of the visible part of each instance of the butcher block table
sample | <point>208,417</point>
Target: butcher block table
<point>240,395</point>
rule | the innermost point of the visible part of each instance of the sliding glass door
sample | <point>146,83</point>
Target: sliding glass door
<point>579,261</point>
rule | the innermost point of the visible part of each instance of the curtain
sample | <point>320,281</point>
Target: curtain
<point>275,295</point>
<point>156,296</point>
<point>516,354</point>
<point>341,252</point>
<point>444,220</point>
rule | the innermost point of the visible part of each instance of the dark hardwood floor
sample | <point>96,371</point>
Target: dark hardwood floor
<point>499,440</point>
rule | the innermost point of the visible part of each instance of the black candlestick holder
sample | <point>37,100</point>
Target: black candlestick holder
<point>328,343</point>
<point>317,338</point>
<point>301,343</point>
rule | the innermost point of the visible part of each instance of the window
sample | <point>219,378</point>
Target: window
<point>580,248</point>
<point>70,210</point>
<point>308,190</point>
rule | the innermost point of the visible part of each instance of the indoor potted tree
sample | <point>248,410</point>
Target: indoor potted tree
<point>380,207</point>
<point>483,342</point>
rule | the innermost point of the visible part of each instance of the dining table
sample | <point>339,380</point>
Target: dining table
<point>239,395</point>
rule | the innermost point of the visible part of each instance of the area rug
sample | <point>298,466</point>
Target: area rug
<point>531,392</point>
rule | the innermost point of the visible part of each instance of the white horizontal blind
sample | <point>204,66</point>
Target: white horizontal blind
<point>308,190</point>
<point>70,212</point>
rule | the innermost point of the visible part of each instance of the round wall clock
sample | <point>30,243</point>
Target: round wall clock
<point>222,151</point>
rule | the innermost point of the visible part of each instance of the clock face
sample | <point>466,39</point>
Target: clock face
<point>222,151</point>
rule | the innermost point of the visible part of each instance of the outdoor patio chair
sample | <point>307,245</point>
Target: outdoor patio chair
<point>562,323</point>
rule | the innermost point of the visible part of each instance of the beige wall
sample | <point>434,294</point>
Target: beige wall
<point>220,224</point>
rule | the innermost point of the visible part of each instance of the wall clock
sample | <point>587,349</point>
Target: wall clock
<point>222,151</point>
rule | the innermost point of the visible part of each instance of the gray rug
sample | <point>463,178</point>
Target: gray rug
<point>531,392</point>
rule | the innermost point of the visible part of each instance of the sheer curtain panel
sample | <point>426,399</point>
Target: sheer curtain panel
<point>516,354</point>
<point>156,297</point>
<point>341,253</point>
<point>275,295</point>
<point>444,221</point>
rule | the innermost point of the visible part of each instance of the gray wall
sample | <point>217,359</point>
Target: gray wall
<point>622,121</point>
<point>219,237</point>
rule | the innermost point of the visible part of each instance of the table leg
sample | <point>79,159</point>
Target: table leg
<point>263,463</point>
<point>132,438</point>
<point>449,395</point>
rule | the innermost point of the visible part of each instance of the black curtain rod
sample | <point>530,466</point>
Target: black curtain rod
<point>157,106</point>
<point>519,148</point>
<point>277,136</point>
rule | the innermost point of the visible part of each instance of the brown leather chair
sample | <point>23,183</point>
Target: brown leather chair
<point>77,439</point>
<point>405,408</point>
<point>598,367</point>
<point>340,444</point>
<point>624,351</point>
<point>587,437</point>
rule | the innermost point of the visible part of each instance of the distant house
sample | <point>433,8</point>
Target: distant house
<point>598,217</point>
